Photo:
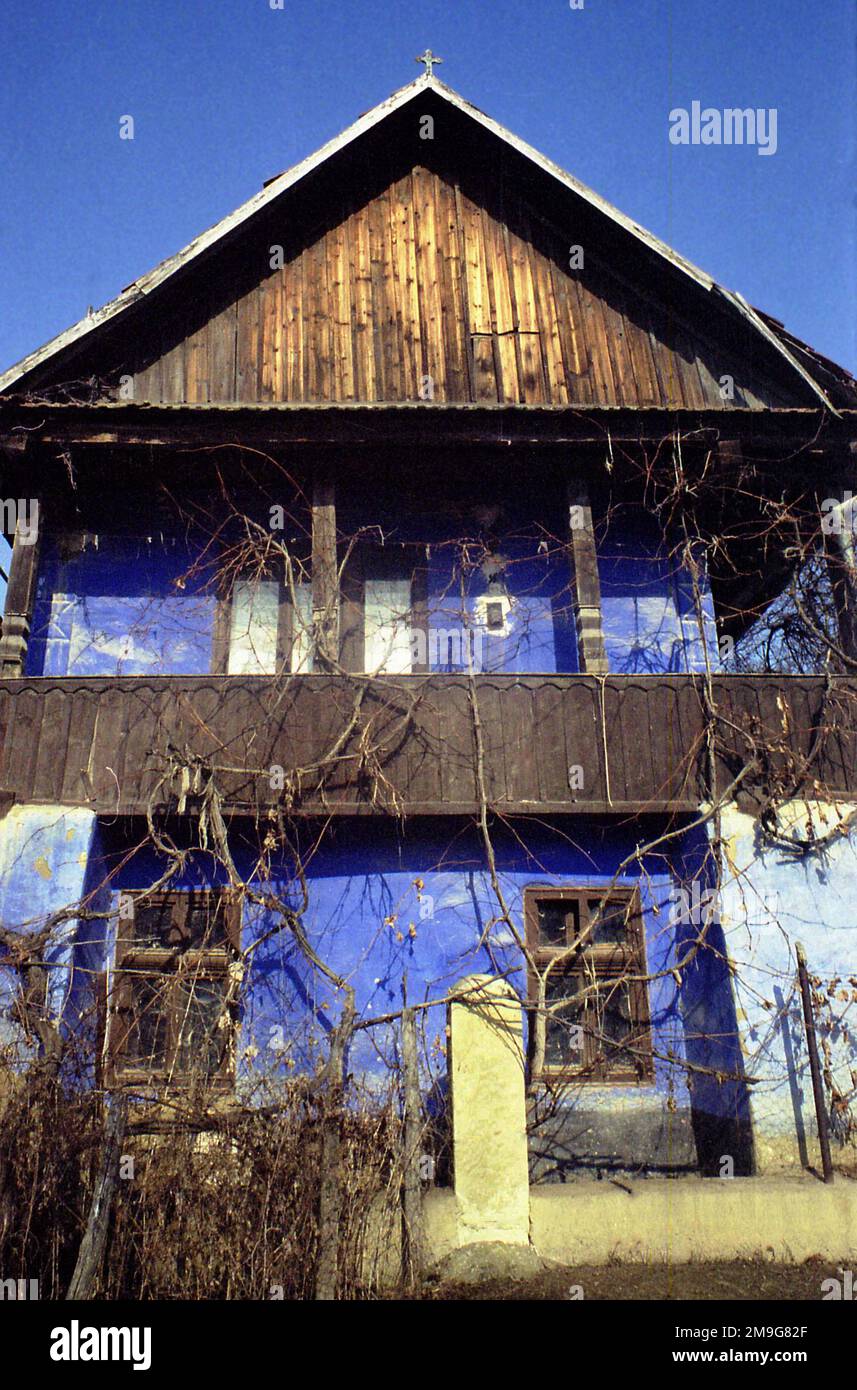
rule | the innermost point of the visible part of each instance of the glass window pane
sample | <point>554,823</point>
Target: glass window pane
<point>204,923</point>
<point>146,1043</point>
<point>615,1023</point>
<point>556,918</point>
<point>387,604</point>
<point>153,925</point>
<point>183,919</point>
<point>610,922</point>
<point>564,1031</point>
<point>201,1036</point>
<point>255,617</point>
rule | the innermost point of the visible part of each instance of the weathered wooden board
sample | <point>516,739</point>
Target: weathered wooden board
<point>109,742</point>
<point>431,287</point>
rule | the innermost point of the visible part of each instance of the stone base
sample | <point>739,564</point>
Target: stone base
<point>488,1259</point>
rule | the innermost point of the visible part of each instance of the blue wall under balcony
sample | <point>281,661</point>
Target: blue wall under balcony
<point>381,909</point>
<point>112,604</point>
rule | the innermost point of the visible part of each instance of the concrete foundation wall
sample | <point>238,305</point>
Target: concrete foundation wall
<point>786,1219</point>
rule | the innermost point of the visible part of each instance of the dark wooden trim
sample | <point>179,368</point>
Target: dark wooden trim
<point>20,598</point>
<point>221,632</point>
<point>655,726</point>
<point>627,962</point>
<point>174,965</point>
<point>325,573</point>
<point>440,424</point>
<point>585,582</point>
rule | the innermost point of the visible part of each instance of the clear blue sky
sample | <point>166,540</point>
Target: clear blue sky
<point>225,93</point>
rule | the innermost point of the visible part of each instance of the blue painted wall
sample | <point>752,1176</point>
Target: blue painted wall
<point>114,607</point>
<point>647,600</point>
<point>382,907</point>
<point>110,604</point>
<point>773,897</point>
<point>538,634</point>
<point>46,854</point>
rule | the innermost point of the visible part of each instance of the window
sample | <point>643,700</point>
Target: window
<point>388,625</point>
<point>124,604</point>
<point>264,626</point>
<point>589,947</point>
<point>172,1016</point>
<point>255,616</point>
<point>384,610</point>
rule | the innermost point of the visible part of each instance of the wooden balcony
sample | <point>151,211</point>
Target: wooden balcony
<point>609,745</point>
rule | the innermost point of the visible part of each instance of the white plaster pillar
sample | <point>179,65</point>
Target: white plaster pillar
<point>489,1112</point>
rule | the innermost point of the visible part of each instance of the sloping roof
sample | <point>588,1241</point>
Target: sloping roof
<point>801,360</point>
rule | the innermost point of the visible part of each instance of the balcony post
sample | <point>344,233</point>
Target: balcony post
<point>21,589</point>
<point>585,584</point>
<point>325,573</point>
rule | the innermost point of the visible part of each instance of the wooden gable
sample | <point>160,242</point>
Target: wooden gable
<point>408,269</point>
<point>430,292</point>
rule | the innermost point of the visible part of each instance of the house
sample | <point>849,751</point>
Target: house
<point>376,626</point>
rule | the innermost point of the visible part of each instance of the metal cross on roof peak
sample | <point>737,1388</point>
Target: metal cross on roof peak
<point>429,59</point>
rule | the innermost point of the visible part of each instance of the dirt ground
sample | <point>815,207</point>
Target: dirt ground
<point>735,1280</point>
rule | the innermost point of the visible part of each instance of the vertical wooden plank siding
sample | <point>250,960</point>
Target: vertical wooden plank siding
<point>458,278</point>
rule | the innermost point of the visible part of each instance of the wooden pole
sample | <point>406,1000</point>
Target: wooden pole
<point>330,1190</point>
<point>814,1067</point>
<point>325,574</point>
<point>412,1201</point>
<point>21,592</point>
<point>585,582</point>
<point>92,1247</point>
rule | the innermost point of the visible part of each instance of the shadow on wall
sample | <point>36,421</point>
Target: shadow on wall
<point>720,1104</point>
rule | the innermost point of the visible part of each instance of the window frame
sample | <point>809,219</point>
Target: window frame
<point>175,968</point>
<point>286,629</point>
<point>606,962</point>
<point>404,560</point>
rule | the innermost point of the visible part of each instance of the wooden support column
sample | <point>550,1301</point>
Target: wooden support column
<point>21,589</point>
<point>585,584</point>
<point>325,574</point>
